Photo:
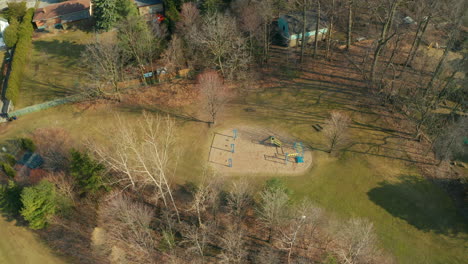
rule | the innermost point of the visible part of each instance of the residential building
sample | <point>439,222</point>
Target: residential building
<point>290,27</point>
<point>61,14</point>
<point>150,9</point>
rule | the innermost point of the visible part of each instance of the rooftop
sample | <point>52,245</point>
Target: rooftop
<point>59,9</point>
<point>141,3</point>
<point>294,20</point>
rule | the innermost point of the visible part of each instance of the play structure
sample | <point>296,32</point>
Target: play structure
<point>298,155</point>
<point>249,151</point>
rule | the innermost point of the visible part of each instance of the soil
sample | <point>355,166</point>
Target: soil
<point>254,154</point>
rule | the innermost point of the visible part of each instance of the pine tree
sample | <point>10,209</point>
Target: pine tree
<point>86,171</point>
<point>39,204</point>
<point>10,198</point>
<point>105,13</point>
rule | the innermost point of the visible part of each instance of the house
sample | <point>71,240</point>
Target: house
<point>290,27</point>
<point>61,14</point>
<point>150,9</point>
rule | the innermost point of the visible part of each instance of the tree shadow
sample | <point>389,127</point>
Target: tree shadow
<point>421,204</point>
<point>59,48</point>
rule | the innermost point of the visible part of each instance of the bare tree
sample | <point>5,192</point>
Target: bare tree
<point>317,27</point>
<point>350,24</point>
<point>197,238</point>
<point>302,223</point>
<point>143,155</point>
<point>357,242</point>
<point>384,37</point>
<point>220,43</point>
<point>336,130</point>
<point>64,183</point>
<point>174,56</point>
<point>127,226</point>
<point>239,197</point>
<point>205,195</point>
<point>54,145</point>
<point>232,244</point>
<point>106,60</point>
<point>272,209</point>
<point>213,93</point>
<point>142,43</point>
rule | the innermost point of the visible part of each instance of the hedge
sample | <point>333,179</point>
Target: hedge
<point>20,56</point>
<point>9,171</point>
<point>10,35</point>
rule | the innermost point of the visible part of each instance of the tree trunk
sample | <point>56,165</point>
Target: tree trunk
<point>317,29</point>
<point>330,31</point>
<point>383,38</point>
<point>417,40</point>
<point>350,24</point>
<point>304,31</point>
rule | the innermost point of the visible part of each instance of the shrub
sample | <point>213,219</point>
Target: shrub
<point>10,198</point>
<point>9,171</point>
<point>10,35</point>
<point>15,11</point>
<point>39,204</point>
<point>27,144</point>
<point>86,171</point>
<point>8,158</point>
<point>277,184</point>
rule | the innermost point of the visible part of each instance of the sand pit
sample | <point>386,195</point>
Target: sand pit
<point>250,151</point>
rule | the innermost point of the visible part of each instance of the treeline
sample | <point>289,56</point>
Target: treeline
<point>22,50</point>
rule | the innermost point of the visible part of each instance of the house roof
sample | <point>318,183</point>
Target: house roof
<point>142,3</point>
<point>295,21</point>
<point>59,9</point>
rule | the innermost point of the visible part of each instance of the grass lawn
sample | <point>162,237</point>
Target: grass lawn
<point>19,245</point>
<point>375,179</point>
<point>54,69</point>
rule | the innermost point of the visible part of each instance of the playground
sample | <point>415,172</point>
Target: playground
<point>259,152</point>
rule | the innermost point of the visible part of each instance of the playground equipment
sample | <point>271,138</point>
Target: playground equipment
<point>234,134</point>
<point>230,163</point>
<point>232,148</point>
<point>298,155</point>
<point>275,141</point>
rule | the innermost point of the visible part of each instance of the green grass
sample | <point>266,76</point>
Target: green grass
<point>19,245</point>
<point>414,219</point>
<point>54,69</point>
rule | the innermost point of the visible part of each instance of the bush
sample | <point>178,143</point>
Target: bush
<point>8,158</point>
<point>10,35</point>
<point>9,171</point>
<point>86,171</point>
<point>15,11</point>
<point>27,144</point>
<point>10,198</point>
<point>20,56</point>
<point>39,204</point>
<point>277,184</point>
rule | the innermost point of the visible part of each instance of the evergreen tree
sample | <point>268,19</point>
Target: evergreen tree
<point>105,13</point>
<point>10,198</point>
<point>39,204</point>
<point>15,11</point>
<point>86,171</point>
<point>172,13</point>
<point>126,8</point>
<point>10,35</point>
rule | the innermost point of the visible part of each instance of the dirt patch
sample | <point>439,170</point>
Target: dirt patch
<point>249,150</point>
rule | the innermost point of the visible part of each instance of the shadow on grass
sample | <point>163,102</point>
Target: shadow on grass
<point>60,48</point>
<point>420,203</point>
